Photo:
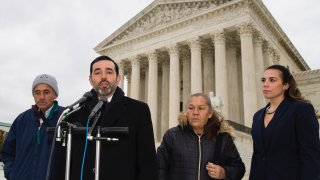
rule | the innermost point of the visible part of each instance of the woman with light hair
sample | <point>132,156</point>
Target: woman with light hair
<point>200,147</point>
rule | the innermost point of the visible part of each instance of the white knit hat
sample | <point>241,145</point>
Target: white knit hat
<point>46,79</point>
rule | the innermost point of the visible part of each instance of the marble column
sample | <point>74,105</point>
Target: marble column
<point>129,84</point>
<point>159,109</point>
<point>174,85</point>
<point>248,73</point>
<point>208,68</point>
<point>121,73</point>
<point>146,84</point>
<point>267,52</point>
<point>153,90</point>
<point>186,75</point>
<point>135,78</point>
<point>261,101</point>
<point>221,71</point>
<point>276,57</point>
<point>142,86</point>
<point>165,97</point>
<point>196,69</point>
<point>235,103</point>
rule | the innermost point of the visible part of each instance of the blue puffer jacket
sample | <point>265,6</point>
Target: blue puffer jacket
<point>26,149</point>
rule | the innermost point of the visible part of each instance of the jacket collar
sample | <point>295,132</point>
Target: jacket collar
<point>278,115</point>
<point>115,109</point>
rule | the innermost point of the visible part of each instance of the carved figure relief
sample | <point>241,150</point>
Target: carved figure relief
<point>216,102</point>
<point>168,13</point>
<point>164,14</point>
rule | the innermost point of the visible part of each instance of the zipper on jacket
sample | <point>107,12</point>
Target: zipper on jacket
<point>199,163</point>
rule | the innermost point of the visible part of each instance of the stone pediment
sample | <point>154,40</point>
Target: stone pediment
<point>159,14</point>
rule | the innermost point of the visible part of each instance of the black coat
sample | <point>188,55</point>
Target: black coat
<point>293,148</point>
<point>178,155</point>
<point>132,158</point>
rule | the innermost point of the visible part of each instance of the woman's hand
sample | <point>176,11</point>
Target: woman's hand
<point>215,171</point>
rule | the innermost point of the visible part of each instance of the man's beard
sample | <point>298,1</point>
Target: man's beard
<point>105,92</point>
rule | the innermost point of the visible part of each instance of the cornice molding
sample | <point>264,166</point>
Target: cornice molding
<point>162,13</point>
<point>271,24</point>
<point>220,7</point>
<point>310,72</point>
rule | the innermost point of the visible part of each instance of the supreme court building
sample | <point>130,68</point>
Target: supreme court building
<point>174,48</point>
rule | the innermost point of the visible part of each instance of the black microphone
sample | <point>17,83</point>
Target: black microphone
<point>67,112</point>
<point>84,98</point>
<point>97,108</point>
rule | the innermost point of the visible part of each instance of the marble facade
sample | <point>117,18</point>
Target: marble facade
<point>176,47</point>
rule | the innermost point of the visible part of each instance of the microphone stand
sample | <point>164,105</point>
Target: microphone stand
<point>67,136</point>
<point>68,157</point>
<point>99,138</point>
<point>97,162</point>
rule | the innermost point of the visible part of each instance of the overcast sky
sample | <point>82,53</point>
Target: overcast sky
<point>57,37</point>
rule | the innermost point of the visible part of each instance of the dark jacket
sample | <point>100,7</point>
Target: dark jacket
<point>133,157</point>
<point>179,152</point>
<point>26,150</point>
<point>293,150</point>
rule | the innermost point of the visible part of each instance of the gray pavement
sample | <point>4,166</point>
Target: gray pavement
<point>1,172</point>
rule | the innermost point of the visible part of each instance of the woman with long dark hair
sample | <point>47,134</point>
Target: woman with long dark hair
<point>285,132</point>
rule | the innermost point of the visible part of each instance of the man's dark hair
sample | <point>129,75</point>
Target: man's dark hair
<point>105,58</point>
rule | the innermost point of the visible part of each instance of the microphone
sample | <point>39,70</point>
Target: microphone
<point>67,112</point>
<point>84,98</point>
<point>97,108</point>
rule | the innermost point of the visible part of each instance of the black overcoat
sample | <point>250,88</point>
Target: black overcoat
<point>133,157</point>
<point>293,149</point>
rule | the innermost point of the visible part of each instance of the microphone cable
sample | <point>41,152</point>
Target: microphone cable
<point>51,151</point>
<point>63,116</point>
<point>86,142</point>
<point>85,149</point>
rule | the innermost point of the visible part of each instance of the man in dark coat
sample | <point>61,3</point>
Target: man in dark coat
<point>27,147</point>
<point>133,157</point>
